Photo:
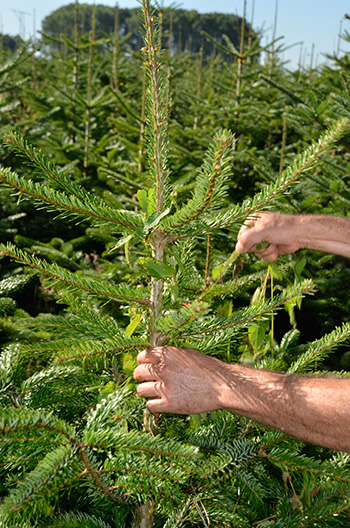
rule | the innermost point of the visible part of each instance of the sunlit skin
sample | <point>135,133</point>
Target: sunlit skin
<point>182,381</point>
<point>286,234</point>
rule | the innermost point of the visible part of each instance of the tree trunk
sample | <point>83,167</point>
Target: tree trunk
<point>144,515</point>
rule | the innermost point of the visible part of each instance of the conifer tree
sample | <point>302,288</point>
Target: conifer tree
<point>78,447</point>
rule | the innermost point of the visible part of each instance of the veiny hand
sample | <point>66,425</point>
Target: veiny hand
<point>280,231</point>
<point>180,381</point>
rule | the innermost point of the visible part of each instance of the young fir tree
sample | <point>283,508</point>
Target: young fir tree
<point>78,447</point>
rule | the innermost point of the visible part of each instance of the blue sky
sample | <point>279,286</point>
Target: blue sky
<point>316,23</point>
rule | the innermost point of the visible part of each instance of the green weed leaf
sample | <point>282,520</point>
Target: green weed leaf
<point>157,270</point>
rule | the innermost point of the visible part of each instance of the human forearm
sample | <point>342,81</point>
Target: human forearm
<point>176,380</point>
<point>324,233</point>
<point>316,410</point>
<point>286,234</point>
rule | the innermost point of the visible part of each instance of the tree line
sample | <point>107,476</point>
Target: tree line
<point>181,29</point>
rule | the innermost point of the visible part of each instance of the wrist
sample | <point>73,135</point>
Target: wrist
<point>254,393</point>
<point>240,392</point>
<point>302,227</point>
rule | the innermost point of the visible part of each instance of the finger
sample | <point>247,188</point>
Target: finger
<point>149,389</point>
<point>271,258</point>
<point>162,405</point>
<point>157,406</point>
<point>145,372</point>
<point>247,244</point>
<point>240,248</point>
<point>268,255</point>
<point>150,355</point>
<point>247,240</point>
<point>244,227</point>
<point>265,251</point>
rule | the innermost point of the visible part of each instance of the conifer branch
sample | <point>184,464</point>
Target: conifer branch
<point>177,517</point>
<point>85,207</point>
<point>76,520</point>
<point>243,317</point>
<point>180,319</point>
<point>40,161</point>
<point>208,187</point>
<point>85,318</point>
<point>57,384</point>
<point>92,350</point>
<point>303,163</point>
<point>48,470</point>
<point>139,471</point>
<point>79,350</point>
<point>300,462</point>
<point>227,288</point>
<point>240,319</point>
<point>26,419</point>
<point>56,273</point>
<point>138,441</point>
<point>92,472</point>
<point>320,349</point>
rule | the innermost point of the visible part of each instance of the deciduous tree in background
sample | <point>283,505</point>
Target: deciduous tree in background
<point>183,27</point>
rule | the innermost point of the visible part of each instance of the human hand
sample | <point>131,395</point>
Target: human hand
<point>279,231</point>
<point>181,381</point>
